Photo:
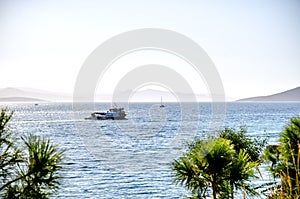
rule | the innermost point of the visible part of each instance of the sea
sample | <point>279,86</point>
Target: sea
<point>133,158</point>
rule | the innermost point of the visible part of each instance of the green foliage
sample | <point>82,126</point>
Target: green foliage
<point>34,173</point>
<point>204,165</point>
<point>9,154</point>
<point>241,171</point>
<point>285,162</point>
<point>217,166</point>
<point>241,142</point>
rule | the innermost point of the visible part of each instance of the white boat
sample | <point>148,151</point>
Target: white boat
<point>161,104</point>
<point>114,113</point>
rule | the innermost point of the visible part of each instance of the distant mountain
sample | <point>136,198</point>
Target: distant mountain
<point>30,95</point>
<point>11,94</point>
<point>152,95</point>
<point>20,99</point>
<point>292,95</point>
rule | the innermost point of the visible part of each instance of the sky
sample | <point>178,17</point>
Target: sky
<point>254,44</point>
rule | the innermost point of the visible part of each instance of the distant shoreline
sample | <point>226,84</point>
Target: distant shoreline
<point>292,95</point>
<point>26,95</point>
<point>20,99</point>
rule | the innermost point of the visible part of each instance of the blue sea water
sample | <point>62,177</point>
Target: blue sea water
<point>132,158</point>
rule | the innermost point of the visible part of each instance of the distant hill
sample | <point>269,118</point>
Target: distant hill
<point>153,95</point>
<point>292,95</point>
<point>11,94</point>
<point>20,99</point>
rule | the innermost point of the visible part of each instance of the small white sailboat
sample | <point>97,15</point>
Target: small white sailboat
<point>161,104</point>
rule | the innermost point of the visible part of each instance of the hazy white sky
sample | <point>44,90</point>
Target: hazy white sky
<point>254,44</point>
